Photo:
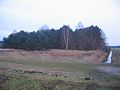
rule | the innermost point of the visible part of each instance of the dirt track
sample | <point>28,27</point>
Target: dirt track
<point>109,69</point>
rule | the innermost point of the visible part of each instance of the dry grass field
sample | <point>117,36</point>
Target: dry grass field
<point>58,70</point>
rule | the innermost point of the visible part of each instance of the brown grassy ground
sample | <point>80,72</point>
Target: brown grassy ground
<point>56,66</point>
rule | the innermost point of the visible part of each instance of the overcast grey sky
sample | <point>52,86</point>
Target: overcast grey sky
<point>30,15</point>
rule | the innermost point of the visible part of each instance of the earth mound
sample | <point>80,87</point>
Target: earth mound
<point>92,56</point>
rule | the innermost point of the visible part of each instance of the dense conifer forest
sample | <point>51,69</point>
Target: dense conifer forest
<point>89,38</point>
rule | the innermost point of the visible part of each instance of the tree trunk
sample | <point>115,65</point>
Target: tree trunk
<point>66,38</point>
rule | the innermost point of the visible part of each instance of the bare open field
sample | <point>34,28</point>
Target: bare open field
<point>58,70</point>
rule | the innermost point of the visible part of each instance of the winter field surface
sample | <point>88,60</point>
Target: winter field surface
<point>58,70</point>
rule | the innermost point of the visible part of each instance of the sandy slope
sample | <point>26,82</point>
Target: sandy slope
<point>94,56</point>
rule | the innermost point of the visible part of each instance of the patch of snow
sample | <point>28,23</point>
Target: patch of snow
<point>109,59</point>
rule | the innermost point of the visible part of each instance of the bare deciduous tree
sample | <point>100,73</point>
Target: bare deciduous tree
<point>79,26</point>
<point>66,30</point>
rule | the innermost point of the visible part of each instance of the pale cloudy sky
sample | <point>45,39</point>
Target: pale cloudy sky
<point>30,15</point>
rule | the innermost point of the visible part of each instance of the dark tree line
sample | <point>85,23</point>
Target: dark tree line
<point>89,38</point>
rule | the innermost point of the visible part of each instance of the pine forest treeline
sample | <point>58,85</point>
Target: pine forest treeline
<point>89,38</point>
